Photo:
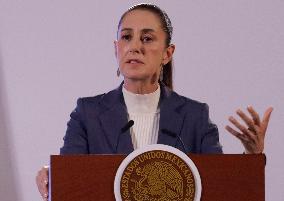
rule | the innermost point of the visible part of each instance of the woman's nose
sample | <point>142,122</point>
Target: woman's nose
<point>135,46</point>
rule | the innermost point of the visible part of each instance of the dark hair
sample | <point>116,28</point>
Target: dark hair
<point>168,29</point>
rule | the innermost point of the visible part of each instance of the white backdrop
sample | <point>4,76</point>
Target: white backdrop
<point>228,53</point>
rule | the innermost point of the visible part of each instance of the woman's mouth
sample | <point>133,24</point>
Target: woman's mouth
<point>134,61</point>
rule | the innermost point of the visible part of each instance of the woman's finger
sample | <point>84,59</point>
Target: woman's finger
<point>237,124</point>
<point>249,122</point>
<point>245,132</point>
<point>254,115</point>
<point>266,118</point>
<point>238,135</point>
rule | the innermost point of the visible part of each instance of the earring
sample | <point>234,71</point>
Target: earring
<point>162,73</point>
<point>118,72</point>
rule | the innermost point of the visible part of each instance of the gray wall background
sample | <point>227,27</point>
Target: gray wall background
<point>228,53</point>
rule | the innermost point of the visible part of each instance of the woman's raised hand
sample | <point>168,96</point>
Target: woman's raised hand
<point>252,132</point>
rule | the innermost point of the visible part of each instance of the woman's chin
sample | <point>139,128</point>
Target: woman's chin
<point>135,76</point>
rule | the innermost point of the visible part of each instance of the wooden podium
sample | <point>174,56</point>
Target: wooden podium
<point>224,177</point>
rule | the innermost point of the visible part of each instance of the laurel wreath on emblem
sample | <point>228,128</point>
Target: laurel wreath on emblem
<point>157,173</point>
<point>159,181</point>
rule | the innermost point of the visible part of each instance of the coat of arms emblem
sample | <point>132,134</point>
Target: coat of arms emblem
<point>157,173</point>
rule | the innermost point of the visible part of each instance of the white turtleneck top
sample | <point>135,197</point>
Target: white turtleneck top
<point>143,109</point>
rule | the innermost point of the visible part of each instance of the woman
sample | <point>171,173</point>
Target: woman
<point>104,123</point>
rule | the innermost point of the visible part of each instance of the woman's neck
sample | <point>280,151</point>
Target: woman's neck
<point>140,87</point>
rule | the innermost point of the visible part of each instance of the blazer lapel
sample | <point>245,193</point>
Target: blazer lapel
<point>113,120</point>
<point>171,118</point>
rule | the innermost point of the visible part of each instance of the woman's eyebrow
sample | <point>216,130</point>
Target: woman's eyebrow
<point>146,30</point>
<point>126,29</point>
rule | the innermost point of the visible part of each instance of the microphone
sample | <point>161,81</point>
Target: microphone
<point>172,134</point>
<point>125,128</point>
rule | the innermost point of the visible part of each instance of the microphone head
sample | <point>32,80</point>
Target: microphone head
<point>131,123</point>
<point>127,126</point>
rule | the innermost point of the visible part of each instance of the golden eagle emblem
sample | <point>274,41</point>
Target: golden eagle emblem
<point>157,176</point>
<point>159,181</point>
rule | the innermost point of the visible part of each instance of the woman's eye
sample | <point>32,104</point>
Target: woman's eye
<point>125,37</point>
<point>147,39</point>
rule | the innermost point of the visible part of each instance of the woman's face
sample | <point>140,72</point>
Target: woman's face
<point>141,48</point>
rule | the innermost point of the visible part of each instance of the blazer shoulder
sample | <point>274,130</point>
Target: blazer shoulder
<point>191,103</point>
<point>87,104</point>
<point>91,99</point>
<point>99,103</point>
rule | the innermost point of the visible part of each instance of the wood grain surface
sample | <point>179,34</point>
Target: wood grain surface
<point>224,177</point>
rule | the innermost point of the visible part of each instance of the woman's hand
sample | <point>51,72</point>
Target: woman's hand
<point>42,182</point>
<point>253,132</point>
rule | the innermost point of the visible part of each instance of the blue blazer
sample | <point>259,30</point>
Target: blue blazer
<point>96,125</point>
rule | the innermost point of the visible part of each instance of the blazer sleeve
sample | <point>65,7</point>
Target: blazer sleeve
<point>210,135</point>
<point>75,139</point>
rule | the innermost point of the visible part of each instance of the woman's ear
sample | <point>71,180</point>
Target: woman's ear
<point>115,48</point>
<point>169,54</point>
